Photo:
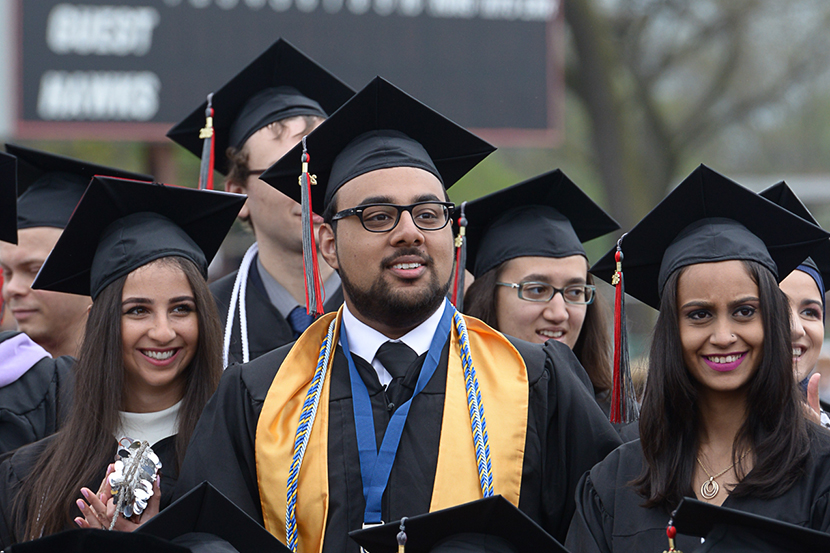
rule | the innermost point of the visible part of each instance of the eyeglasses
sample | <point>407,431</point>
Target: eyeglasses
<point>576,294</point>
<point>385,217</point>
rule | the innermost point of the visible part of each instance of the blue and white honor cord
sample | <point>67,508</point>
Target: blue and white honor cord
<point>478,423</point>
<point>307,416</point>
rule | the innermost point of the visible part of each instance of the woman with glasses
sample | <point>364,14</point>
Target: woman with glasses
<point>524,248</point>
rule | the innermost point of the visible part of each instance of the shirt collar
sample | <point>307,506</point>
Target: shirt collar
<point>281,298</point>
<point>364,341</point>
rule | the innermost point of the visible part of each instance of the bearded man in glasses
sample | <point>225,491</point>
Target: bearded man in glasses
<point>398,405</point>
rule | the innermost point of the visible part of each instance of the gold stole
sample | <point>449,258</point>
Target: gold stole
<point>502,379</point>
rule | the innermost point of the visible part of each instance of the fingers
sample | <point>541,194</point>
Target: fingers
<point>105,487</point>
<point>154,502</point>
<point>812,393</point>
<point>94,512</point>
<point>811,413</point>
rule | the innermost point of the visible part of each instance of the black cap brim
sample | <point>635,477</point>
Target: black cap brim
<point>707,194</point>
<point>204,509</point>
<point>783,195</point>
<point>280,65</point>
<point>493,516</point>
<point>380,106</point>
<point>552,189</point>
<point>696,518</point>
<point>97,541</point>
<point>34,164</point>
<point>50,185</point>
<point>205,216</point>
<point>8,198</point>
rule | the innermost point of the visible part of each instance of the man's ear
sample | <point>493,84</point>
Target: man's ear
<point>327,245</point>
<point>237,188</point>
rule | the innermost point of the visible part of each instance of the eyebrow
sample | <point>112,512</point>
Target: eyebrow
<point>148,301</point>
<point>546,278</point>
<point>388,200</point>
<point>708,304</point>
<point>809,301</point>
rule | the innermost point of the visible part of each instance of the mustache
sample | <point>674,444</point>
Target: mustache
<point>426,259</point>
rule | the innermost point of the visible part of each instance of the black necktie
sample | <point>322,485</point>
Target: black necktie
<point>299,320</point>
<point>396,357</point>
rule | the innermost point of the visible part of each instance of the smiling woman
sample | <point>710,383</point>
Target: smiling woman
<point>532,282</point>
<point>150,359</point>
<point>721,419</point>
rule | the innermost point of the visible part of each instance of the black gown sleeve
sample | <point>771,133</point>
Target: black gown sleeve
<point>35,406</point>
<point>221,450</point>
<point>591,523</point>
<point>578,436</point>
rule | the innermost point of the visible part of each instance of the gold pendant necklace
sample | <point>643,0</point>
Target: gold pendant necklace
<point>709,489</point>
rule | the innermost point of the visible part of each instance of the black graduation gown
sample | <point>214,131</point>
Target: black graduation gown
<point>17,466</point>
<point>34,406</point>
<point>567,434</point>
<point>609,517</point>
<point>267,328</point>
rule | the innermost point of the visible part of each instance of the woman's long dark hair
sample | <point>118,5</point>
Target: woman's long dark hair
<point>775,428</point>
<point>592,348</point>
<point>86,443</point>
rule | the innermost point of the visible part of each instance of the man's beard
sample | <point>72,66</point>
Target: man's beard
<point>397,310</point>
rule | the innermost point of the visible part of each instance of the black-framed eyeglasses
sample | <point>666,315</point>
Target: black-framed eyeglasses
<point>428,215</point>
<point>576,294</point>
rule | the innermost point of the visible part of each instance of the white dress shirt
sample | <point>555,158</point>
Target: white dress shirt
<point>364,341</point>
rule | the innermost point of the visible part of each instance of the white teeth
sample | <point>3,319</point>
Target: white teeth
<point>552,334</point>
<point>159,355</point>
<point>723,358</point>
<point>798,351</point>
<point>406,265</point>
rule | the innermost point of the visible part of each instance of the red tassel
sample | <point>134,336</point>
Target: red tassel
<point>616,399</point>
<point>624,406</point>
<point>457,297</point>
<point>311,269</point>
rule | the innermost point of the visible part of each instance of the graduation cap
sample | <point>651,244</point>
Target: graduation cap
<point>707,218</point>
<point>380,127</point>
<point>491,524</point>
<point>8,198</point>
<point>282,82</point>
<point>120,225</point>
<point>546,216</point>
<point>97,541</point>
<point>739,531</point>
<point>818,264</point>
<point>51,185</point>
<point>205,515</point>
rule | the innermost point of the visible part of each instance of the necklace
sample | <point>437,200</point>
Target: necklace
<point>709,489</point>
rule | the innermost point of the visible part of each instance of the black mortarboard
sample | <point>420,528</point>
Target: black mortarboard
<point>738,531</point>
<point>282,82</point>
<point>708,218</point>
<point>504,527</point>
<point>546,216</point>
<point>120,225</point>
<point>783,195</point>
<point>8,198</point>
<point>95,541</point>
<point>380,127</point>
<point>203,515</point>
<point>50,185</point>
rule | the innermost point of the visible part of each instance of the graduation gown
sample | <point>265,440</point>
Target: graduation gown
<point>18,465</point>
<point>35,405</point>
<point>609,517</point>
<point>267,328</point>
<point>566,434</point>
